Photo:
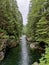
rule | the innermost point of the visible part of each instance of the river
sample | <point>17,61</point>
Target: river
<point>21,55</point>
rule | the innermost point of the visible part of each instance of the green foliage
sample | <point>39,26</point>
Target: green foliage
<point>45,59</point>
<point>10,18</point>
<point>24,29</point>
<point>38,25</point>
<point>38,20</point>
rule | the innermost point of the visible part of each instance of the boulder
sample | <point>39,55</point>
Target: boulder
<point>12,43</point>
<point>32,46</point>
<point>29,39</point>
<point>35,63</point>
<point>1,56</point>
<point>3,44</point>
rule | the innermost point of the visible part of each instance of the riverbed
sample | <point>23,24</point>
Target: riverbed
<point>21,55</point>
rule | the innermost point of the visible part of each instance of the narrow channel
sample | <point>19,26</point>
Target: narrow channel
<point>24,51</point>
<point>19,55</point>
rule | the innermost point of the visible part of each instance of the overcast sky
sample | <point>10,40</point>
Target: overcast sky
<point>24,8</point>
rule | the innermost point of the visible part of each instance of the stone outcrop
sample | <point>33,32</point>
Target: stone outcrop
<point>34,45</point>
<point>3,44</point>
<point>6,42</point>
<point>2,48</point>
<point>35,63</point>
<point>29,39</point>
<point>1,55</point>
<point>12,43</point>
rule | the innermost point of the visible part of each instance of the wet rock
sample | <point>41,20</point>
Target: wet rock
<point>3,44</point>
<point>32,46</point>
<point>12,43</point>
<point>35,63</point>
<point>35,46</point>
<point>1,34</point>
<point>29,39</point>
<point>1,56</point>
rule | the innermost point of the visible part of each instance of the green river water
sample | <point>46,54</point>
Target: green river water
<point>21,55</point>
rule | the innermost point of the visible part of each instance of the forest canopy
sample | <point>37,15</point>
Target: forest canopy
<point>10,18</point>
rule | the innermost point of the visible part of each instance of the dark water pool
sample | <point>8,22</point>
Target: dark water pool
<point>21,55</point>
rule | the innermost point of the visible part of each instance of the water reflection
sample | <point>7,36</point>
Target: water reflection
<point>19,55</point>
<point>24,51</point>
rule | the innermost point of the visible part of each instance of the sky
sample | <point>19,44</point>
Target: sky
<point>24,8</point>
